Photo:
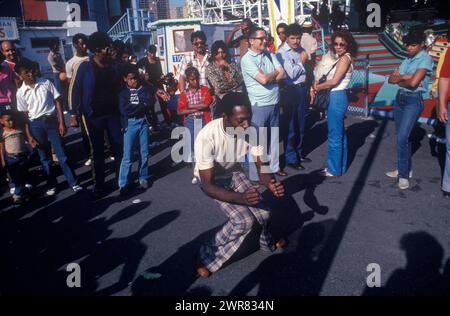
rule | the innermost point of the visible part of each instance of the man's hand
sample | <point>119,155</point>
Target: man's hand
<point>163,95</point>
<point>73,121</point>
<point>251,197</point>
<point>276,188</point>
<point>62,129</point>
<point>442,114</point>
<point>33,142</point>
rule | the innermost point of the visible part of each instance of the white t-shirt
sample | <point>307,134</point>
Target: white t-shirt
<point>72,63</point>
<point>37,101</point>
<point>216,148</point>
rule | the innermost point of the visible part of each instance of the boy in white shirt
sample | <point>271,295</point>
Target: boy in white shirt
<point>39,100</point>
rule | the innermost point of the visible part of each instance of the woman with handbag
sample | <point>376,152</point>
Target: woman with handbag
<point>345,47</point>
<point>413,77</point>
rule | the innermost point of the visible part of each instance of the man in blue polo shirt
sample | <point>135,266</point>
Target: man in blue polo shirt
<point>262,72</point>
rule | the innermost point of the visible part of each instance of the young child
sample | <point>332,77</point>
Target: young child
<point>39,100</point>
<point>172,104</point>
<point>194,105</point>
<point>14,154</point>
<point>135,102</point>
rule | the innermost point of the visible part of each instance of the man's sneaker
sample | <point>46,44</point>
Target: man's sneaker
<point>143,185</point>
<point>17,199</point>
<point>394,174</point>
<point>77,188</point>
<point>403,184</point>
<point>194,180</point>
<point>65,112</point>
<point>12,190</point>
<point>124,191</point>
<point>50,192</point>
<point>88,162</point>
<point>28,186</point>
<point>112,158</point>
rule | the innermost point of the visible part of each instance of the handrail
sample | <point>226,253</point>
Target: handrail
<point>116,25</point>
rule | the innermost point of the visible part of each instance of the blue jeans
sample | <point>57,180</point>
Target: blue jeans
<point>17,167</point>
<point>296,111</point>
<point>266,116</point>
<point>407,108</point>
<point>96,127</point>
<point>337,136</point>
<point>191,123</point>
<point>137,130</point>
<point>45,129</point>
<point>60,86</point>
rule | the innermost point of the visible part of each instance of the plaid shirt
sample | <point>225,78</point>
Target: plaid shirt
<point>189,97</point>
<point>191,60</point>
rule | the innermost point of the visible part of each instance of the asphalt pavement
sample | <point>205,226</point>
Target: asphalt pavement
<point>145,244</point>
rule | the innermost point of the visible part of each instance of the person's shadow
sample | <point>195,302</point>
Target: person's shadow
<point>177,272</point>
<point>114,252</point>
<point>291,273</point>
<point>421,276</point>
<point>357,135</point>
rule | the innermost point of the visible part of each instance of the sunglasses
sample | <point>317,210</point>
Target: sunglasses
<point>263,38</point>
<point>199,44</point>
<point>339,44</point>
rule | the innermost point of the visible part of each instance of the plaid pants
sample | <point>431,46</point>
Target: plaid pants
<point>241,219</point>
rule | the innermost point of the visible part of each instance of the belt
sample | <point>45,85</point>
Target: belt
<point>301,84</point>
<point>19,155</point>
<point>410,92</point>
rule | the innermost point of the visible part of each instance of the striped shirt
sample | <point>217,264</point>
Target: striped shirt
<point>190,60</point>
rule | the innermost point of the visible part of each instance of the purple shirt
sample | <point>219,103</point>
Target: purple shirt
<point>7,83</point>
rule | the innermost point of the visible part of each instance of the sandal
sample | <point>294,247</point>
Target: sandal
<point>281,173</point>
<point>325,173</point>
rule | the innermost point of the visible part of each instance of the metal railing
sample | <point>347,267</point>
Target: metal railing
<point>131,21</point>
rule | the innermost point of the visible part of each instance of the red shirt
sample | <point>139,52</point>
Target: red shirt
<point>195,97</point>
<point>445,70</point>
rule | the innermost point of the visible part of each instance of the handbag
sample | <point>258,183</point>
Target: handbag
<point>322,97</point>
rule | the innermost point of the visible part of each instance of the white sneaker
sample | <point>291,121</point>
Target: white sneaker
<point>112,158</point>
<point>403,184</point>
<point>51,192</point>
<point>194,180</point>
<point>65,112</point>
<point>88,162</point>
<point>28,186</point>
<point>12,190</point>
<point>77,188</point>
<point>394,174</point>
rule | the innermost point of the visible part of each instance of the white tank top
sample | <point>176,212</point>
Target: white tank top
<point>346,80</point>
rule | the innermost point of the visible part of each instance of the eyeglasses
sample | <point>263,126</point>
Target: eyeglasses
<point>263,38</point>
<point>199,43</point>
<point>339,44</point>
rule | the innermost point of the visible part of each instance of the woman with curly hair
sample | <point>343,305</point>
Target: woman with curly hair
<point>344,46</point>
<point>224,76</point>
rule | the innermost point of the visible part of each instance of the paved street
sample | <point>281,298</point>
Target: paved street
<point>335,229</point>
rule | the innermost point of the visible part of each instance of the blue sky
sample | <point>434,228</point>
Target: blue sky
<point>176,3</point>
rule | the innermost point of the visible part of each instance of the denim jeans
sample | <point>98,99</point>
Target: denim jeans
<point>407,108</point>
<point>45,129</point>
<point>60,86</point>
<point>17,167</point>
<point>137,130</point>
<point>295,117</point>
<point>266,116</point>
<point>337,136</point>
<point>194,125</point>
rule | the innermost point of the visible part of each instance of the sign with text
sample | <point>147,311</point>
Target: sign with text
<point>8,29</point>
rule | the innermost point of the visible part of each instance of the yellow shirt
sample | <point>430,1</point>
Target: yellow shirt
<point>435,85</point>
